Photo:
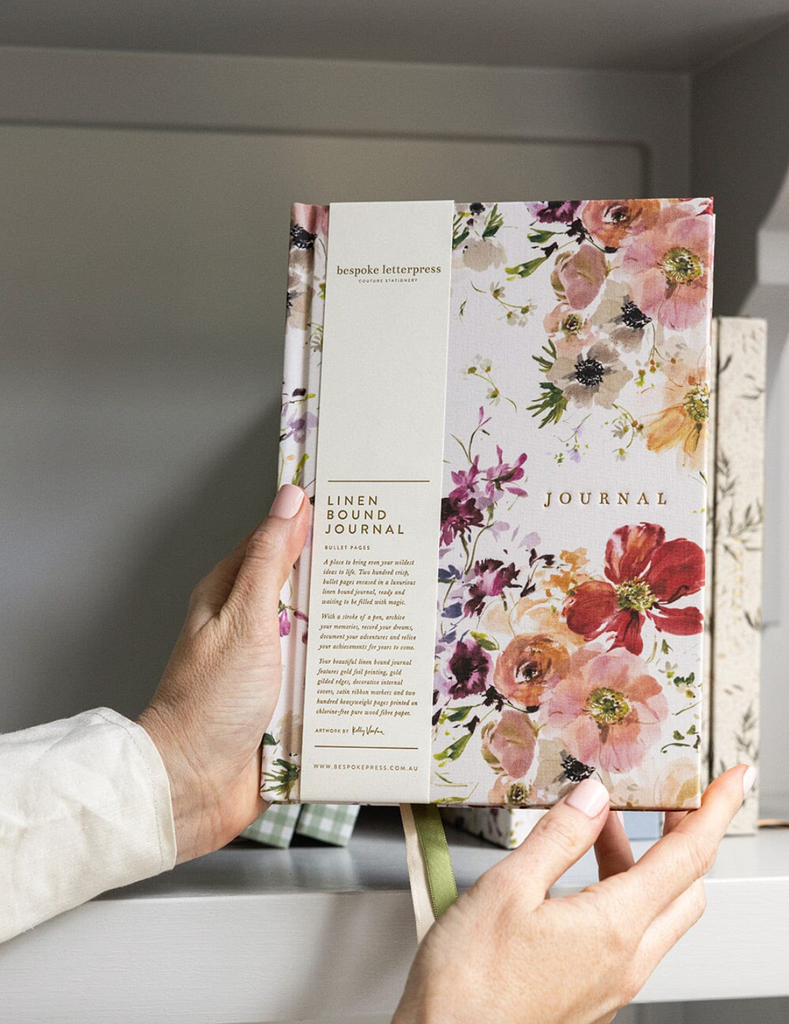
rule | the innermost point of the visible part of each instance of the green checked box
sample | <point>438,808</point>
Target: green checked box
<point>274,827</point>
<point>330,823</point>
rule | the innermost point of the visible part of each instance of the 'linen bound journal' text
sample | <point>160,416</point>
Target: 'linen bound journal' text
<point>500,412</point>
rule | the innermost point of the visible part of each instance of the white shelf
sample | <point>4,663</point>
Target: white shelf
<point>250,934</point>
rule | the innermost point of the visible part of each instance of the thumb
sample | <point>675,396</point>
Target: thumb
<point>559,839</point>
<point>271,551</point>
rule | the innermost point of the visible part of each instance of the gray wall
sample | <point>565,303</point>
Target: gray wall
<point>740,154</point>
<point>740,147</point>
<point>142,332</point>
<point>142,306</point>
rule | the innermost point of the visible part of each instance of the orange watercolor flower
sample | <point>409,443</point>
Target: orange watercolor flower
<point>525,666</point>
<point>683,422</point>
<point>613,223</point>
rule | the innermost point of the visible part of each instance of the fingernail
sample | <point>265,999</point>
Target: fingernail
<point>287,501</point>
<point>589,797</point>
<point>748,780</point>
<point>620,816</point>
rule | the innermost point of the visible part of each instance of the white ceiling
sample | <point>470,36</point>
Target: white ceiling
<point>671,35</point>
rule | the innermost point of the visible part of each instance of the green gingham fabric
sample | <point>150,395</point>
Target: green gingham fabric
<point>275,827</point>
<point>330,823</point>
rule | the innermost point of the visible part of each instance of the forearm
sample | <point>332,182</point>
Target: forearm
<point>84,807</point>
<point>97,801</point>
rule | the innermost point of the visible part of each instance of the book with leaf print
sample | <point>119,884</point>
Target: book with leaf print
<point>499,411</point>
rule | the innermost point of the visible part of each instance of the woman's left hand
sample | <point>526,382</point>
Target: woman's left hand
<point>220,687</point>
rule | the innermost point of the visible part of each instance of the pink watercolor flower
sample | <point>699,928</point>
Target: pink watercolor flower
<point>502,477</point>
<point>669,268</point>
<point>579,278</point>
<point>285,620</point>
<point>308,220</point>
<point>568,328</point>
<point>465,481</point>
<point>609,708</point>
<point>508,744</point>
<point>475,490</point>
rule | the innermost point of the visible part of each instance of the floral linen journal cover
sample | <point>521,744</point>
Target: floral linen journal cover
<point>571,528</point>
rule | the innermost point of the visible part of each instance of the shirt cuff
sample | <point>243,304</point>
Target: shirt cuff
<point>85,807</point>
<point>161,804</point>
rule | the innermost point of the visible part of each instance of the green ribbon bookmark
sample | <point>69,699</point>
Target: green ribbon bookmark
<point>438,862</point>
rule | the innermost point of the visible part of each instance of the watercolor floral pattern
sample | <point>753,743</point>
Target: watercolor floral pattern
<point>297,446</point>
<point>560,654</point>
<point>557,661</point>
<point>578,698</point>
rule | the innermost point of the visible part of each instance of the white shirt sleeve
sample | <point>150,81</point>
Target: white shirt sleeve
<point>84,807</point>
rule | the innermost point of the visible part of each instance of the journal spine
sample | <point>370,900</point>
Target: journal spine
<point>297,444</point>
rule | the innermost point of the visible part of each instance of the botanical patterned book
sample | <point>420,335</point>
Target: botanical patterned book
<point>570,525</point>
<point>736,585</point>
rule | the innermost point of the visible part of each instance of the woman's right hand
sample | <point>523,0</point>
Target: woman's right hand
<point>505,953</point>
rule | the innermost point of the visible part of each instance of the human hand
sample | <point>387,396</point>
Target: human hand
<point>505,952</point>
<point>220,687</point>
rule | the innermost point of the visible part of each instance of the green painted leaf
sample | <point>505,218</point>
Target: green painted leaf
<point>454,750</point>
<point>484,641</point>
<point>551,404</point>
<point>540,237</point>
<point>300,468</point>
<point>458,236</point>
<point>268,740</point>
<point>526,269</point>
<point>545,362</point>
<point>493,222</point>
<point>459,714</point>
<point>283,779</point>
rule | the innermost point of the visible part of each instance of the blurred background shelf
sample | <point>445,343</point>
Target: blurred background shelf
<point>323,934</point>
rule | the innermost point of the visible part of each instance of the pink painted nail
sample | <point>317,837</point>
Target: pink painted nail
<point>748,780</point>
<point>589,797</point>
<point>287,501</point>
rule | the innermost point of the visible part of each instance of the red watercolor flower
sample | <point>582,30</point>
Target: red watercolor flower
<point>646,573</point>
